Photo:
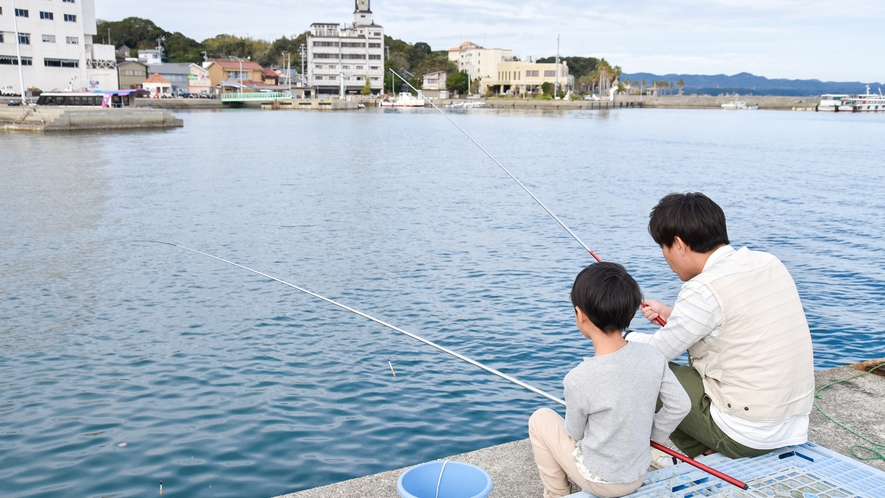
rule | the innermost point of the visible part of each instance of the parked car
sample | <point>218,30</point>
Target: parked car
<point>14,102</point>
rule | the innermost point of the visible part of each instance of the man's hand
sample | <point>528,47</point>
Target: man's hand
<point>652,309</point>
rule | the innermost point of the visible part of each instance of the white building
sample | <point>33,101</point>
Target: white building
<point>55,39</point>
<point>479,63</point>
<point>342,56</point>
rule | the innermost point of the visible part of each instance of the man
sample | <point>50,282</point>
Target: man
<point>751,379</point>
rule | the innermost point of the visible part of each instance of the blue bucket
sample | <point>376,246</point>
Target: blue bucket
<point>444,480</point>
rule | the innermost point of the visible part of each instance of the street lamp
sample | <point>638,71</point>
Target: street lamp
<point>240,90</point>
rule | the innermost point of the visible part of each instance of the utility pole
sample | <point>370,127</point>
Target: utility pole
<point>18,50</point>
<point>302,48</point>
<point>556,85</point>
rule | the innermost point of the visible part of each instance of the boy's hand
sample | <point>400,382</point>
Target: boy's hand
<point>652,309</point>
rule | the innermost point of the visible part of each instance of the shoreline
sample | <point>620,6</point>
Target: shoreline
<point>856,403</point>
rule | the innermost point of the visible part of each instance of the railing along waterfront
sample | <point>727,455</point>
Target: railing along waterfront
<point>255,96</point>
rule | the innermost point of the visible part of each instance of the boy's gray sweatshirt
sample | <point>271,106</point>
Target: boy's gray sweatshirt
<point>610,409</point>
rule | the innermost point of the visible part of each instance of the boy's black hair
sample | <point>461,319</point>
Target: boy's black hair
<point>691,216</point>
<point>608,295</point>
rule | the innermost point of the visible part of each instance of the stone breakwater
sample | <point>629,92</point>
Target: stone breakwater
<point>858,403</point>
<point>44,119</point>
<point>634,101</point>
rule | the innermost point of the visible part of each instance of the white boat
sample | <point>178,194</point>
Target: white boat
<point>735,105</point>
<point>831,102</point>
<point>474,104</point>
<point>405,99</point>
<point>868,102</point>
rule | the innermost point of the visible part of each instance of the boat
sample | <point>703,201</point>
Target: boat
<point>868,102</point>
<point>476,104</point>
<point>735,105</point>
<point>831,102</point>
<point>405,99</point>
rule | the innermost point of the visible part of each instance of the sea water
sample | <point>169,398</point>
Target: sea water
<point>124,362</point>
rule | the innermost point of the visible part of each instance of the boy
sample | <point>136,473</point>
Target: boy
<point>603,442</point>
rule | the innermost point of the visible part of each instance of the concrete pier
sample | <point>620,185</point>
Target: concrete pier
<point>42,119</point>
<point>858,404</point>
<point>649,102</point>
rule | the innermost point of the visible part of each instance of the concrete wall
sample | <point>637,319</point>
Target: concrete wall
<point>67,119</point>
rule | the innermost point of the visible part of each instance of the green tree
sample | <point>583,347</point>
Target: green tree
<point>274,56</point>
<point>547,88</point>
<point>367,88</point>
<point>680,84</point>
<point>457,81</point>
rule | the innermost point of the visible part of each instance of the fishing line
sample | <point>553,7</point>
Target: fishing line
<point>659,319</point>
<point>475,363</point>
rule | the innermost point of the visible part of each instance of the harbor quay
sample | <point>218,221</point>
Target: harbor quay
<point>41,119</point>
<point>857,403</point>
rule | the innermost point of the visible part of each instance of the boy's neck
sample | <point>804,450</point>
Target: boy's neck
<point>604,344</point>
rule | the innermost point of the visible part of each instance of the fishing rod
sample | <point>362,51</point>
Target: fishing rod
<point>475,363</point>
<point>659,319</point>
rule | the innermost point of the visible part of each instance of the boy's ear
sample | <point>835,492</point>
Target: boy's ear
<point>579,315</point>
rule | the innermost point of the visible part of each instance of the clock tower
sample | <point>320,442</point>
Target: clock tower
<point>362,13</point>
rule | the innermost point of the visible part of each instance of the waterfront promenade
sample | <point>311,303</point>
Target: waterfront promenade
<point>857,403</point>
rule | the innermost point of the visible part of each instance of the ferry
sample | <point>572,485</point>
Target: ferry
<point>110,98</point>
<point>869,102</point>
<point>833,102</point>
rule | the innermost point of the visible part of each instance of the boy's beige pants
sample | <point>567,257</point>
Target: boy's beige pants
<point>553,454</point>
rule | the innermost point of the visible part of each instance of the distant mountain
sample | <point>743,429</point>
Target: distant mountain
<point>746,83</point>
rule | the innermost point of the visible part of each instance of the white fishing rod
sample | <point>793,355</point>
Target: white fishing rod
<point>475,363</point>
<point>567,229</point>
<point>659,319</point>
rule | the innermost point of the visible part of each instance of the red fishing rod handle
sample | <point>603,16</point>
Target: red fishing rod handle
<point>699,465</point>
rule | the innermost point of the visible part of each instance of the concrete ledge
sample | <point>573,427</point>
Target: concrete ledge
<point>858,404</point>
<point>85,118</point>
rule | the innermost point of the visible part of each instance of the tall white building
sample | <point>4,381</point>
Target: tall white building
<point>479,63</point>
<point>348,55</point>
<point>55,39</point>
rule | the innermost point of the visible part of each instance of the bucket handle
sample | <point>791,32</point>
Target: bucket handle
<point>438,481</point>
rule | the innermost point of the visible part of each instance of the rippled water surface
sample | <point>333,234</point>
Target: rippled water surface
<point>224,383</point>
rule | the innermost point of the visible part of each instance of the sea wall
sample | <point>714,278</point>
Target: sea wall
<point>635,101</point>
<point>73,118</point>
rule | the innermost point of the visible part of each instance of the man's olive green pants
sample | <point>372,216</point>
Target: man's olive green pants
<point>698,433</point>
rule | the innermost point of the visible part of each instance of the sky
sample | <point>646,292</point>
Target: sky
<point>795,39</point>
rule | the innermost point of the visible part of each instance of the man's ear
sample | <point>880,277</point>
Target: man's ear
<point>680,245</point>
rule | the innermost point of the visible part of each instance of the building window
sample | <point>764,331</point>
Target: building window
<point>353,56</point>
<point>325,56</point>
<point>359,68</point>
<point>325,44</point>
<point>373,68</point>
<point>68,1</point>
<point>374,57</point>
<point>532,73</point>
<point>70,18</point>
<point>318,66</point>
<point>1,37</point>
<point>48,38</point>
<point>237,75</point>
<point>345,67</point>
<point>24,38</point>
<point>374,45</point>
<point>318,77</point>
<point>72,40</point>
<point>548,73</point>
<point>46,15</point>
<point>376,34</point>
<point>61,63</point>
<point>11,60</point>
<point>21,12</point>
<point>353,44</point>
<point>374,78</point>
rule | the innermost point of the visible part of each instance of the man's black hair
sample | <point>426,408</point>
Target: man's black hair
<point>608,295</point>
<point>691,216</point>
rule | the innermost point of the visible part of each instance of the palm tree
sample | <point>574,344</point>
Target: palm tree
<point>680,84</point>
